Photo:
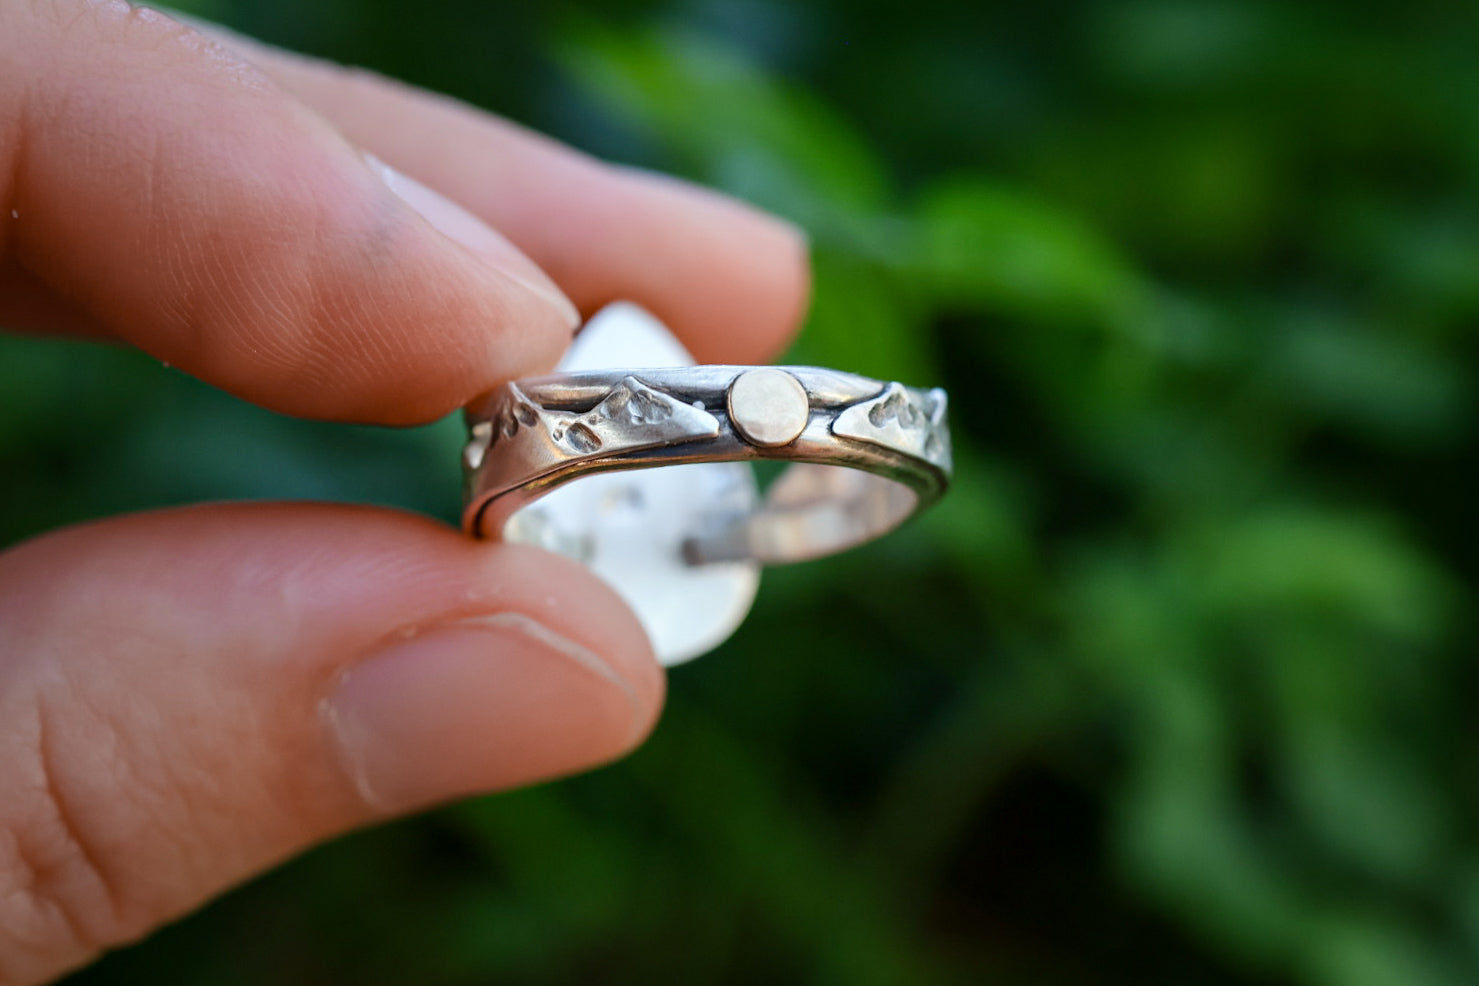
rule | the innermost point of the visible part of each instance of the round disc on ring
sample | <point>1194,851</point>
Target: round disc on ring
<point>629,527</point>
<point>768,406</point>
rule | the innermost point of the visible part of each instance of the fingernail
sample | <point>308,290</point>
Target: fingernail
<point>456,223</point>
<point>476,706</point>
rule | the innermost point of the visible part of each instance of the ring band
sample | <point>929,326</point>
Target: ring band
<point>533,435</point>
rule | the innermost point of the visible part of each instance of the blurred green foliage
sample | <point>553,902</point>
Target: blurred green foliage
<point>1175,686</point>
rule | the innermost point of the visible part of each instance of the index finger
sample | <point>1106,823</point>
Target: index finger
<point>156,188</point>
<point>163,190</point>
<point>731,281</point>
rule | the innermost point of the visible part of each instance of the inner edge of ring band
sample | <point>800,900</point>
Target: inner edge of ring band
<point>930,483</point>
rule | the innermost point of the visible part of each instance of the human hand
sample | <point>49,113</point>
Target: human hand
<point>189,696</point>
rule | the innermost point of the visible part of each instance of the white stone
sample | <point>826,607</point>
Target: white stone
<point>629,527</point>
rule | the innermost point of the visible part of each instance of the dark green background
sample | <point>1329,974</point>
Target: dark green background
<point>1177,686</point>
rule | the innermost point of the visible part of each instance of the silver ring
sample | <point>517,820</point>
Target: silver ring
<point>533,435</point>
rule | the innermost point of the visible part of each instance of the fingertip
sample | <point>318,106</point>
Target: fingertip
<point>602,623</point>
<point>732,280</point>
<point>480,704</point>
<point>189,205</point>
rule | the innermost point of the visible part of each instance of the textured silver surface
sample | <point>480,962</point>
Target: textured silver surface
<point>532,436</point>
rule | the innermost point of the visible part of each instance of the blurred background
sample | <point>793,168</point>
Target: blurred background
<point>1176,686</point>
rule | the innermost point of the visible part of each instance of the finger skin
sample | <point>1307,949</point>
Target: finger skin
<point>172,194</point>
<point>732,282</point>
<point>190,696</point>
<point>172,684</point>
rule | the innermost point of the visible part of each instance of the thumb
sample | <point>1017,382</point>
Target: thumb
<point>188,697</point>
<point>157,188</point>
